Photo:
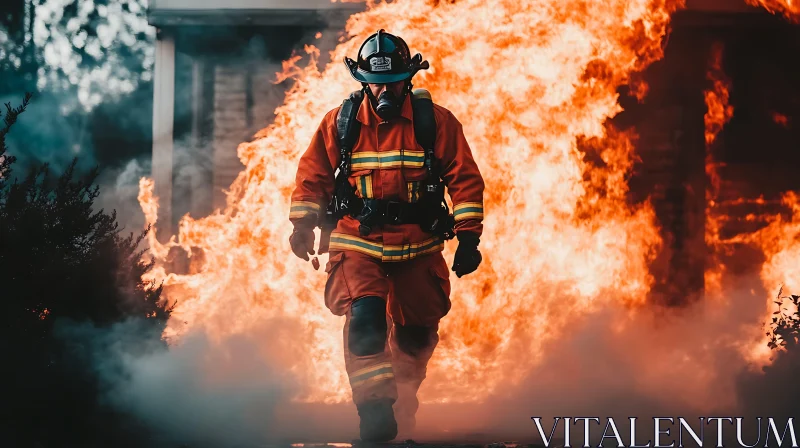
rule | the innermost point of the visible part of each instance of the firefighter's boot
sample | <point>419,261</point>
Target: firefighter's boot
<point>406,406</point>
<point>377,421</point>
<point>412,348</point>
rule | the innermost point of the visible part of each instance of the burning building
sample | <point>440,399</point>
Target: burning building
<point>216,86</point>
<point>588,204</point>
<point>715,142</point>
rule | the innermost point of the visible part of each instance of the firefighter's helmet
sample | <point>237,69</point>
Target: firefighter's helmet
<point>384,58</point>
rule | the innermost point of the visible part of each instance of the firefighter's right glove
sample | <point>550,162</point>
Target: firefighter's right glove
<point>302,242</point>
<point>467,258</point>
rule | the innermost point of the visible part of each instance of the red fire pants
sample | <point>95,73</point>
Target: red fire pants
<point>417,293</point>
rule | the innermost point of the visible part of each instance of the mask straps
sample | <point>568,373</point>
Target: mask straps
<point>365,88</point>
<point>374,101</point>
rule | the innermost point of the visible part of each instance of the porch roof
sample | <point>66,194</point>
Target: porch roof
<point>246,12</point>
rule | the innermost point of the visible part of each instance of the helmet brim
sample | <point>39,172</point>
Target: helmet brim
<point>379,78</point>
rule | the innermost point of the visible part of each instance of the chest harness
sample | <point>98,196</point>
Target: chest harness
<point>430,212</point>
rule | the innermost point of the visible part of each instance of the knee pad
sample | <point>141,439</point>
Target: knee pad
<point>367,332</point>
<point>413,339</point>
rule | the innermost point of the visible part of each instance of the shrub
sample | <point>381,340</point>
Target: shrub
<point>63,263</point>
<point>785,327</point>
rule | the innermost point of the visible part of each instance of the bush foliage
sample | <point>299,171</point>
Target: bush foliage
<point>62,263</point>
<point>785,330</point>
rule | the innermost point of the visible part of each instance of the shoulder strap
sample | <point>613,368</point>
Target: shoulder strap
<point>425,126</point>
<point>348,127</point>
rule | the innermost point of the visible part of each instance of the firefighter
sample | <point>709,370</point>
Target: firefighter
<point>386,273</point>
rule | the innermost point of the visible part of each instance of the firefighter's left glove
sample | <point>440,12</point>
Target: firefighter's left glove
<point>302,242</point>
<point>468,257</point>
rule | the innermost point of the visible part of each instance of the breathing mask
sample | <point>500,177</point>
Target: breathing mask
<point>387,105</point>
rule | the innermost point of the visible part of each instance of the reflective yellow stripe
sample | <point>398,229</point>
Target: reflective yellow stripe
<point>464,216</point>
<point>468,210</point>
<point>377,249</point>
<point>364,186</point>
<point>300,209</point>
<point>374,379</point>
<point>355,376</point>
<point>468,205</point>
<point>340,241</point>
<point>371,160</point>
<point>378,372</point>
<point>413,191</point>
<point>409,251</point>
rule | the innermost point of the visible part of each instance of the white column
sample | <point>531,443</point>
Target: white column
<point>163,121</point>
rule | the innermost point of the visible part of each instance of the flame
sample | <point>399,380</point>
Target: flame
<point>534,107</point>
<point>780,241</point>
<point>719,112</point>
<point>149,204</point>
<point>560,237</point>
<point>790,9</point>
<point>777,238</point>
<point>780,119</point>
<point>717,99</point>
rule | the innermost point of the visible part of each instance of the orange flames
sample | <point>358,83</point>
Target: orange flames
<point>526,80</point>
<point>719,112</point>
<point>778,239</point>
<point>788,8</point>
<point>780,119</point>
<point>529,80</point>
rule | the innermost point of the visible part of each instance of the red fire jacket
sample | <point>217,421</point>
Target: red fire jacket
<point>387,163</point>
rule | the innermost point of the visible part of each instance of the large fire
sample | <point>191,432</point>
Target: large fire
<point>788,8</point>
<point>529,80</point>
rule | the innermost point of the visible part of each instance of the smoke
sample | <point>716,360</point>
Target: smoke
<point>115,137</point>
<point>201,392</point>
<point>193,168</point>
<point>619,362</point>
<point>772,390</point>
<point>44,135</point>
<point>616,362</point>
<point>119,189</point>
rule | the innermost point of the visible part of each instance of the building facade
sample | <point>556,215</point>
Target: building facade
<point>214,87</point>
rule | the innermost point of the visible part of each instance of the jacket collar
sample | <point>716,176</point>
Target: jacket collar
<point>367,116</point>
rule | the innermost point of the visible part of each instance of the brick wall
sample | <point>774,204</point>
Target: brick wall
<point>244,102</point>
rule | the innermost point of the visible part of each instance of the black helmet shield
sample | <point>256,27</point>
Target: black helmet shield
<point>384,59</point>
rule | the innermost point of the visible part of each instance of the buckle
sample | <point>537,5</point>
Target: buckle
<point>394,212</point>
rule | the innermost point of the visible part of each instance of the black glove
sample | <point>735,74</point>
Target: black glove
<point>467,258</point>
<point>302,242</point>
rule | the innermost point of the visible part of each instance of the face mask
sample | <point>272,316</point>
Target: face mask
<point>387,105</point>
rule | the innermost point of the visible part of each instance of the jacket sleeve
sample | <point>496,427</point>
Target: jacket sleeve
<point>460,173</point>
<point>314,182</point>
